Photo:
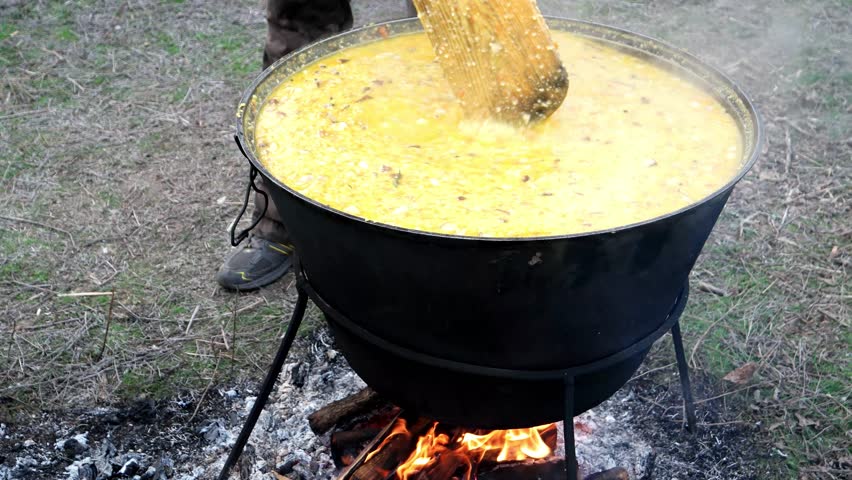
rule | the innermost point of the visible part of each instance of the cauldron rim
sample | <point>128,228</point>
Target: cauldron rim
<point>721,78</point>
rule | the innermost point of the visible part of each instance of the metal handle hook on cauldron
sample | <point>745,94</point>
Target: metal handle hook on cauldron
<point>237,239</point>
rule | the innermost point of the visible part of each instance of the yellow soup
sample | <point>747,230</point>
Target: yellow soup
<point>375,131</point>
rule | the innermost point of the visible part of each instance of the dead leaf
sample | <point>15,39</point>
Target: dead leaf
<point>835,251</point>
<point>741,375</point>
<point>278,476</point>
<point>806,422</point>
<point>770,176</point>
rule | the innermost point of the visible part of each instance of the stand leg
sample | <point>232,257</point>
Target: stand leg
<point>688,402</point>
<point>268,383</point>
<point>568,427</point>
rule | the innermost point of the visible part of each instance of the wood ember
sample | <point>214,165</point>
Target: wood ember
<point>386,459</point>
<point>345,446</point>
<point>549,437</point>
<point>381,465</point>
<point>450,463</point>
<point>332,414</point>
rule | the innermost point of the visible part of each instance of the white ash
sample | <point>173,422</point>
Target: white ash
<point>24,465</point>
<point>606,437</point>
<point>74,470</point>
<point>81,439</point>
<point>282,434</point>
<point>129,466</point>
<point>214,432</point>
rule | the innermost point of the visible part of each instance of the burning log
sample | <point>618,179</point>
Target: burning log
<point>450,464</point>
<point>491,457</point>
<point>426,450</point>
<point>617,473</point>
<point>380,459</point>
<point>346,445</point>
<point>335,412</point>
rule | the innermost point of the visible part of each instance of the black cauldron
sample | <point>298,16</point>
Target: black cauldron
<point>526,304</point>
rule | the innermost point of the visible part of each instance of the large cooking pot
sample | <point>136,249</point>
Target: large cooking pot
<point>531,304</point>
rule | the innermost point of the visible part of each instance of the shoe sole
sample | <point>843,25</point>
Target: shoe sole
<point>266,279</point>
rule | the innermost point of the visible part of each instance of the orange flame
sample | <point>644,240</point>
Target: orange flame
<point>399,428</point>
<point>471,449</point>
<point>514,445</point>
<point>430,447</point>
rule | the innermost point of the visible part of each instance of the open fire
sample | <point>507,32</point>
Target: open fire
<point>442,452</point>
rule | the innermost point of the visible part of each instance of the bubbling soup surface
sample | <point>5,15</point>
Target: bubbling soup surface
<point>375,131</point>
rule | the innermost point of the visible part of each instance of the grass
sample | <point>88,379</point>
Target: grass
<point>101,205</point>
<point>66,35</point>
<point>115,144</point>
<point>232,58</point>
<point>19,257</point>
<point>14,165</point>
<point>781,316</point>
<point>167,43</point>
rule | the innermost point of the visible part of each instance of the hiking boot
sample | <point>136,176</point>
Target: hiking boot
<point>254,264</point>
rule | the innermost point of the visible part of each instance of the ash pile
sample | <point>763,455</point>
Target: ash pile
<point>283,446</point>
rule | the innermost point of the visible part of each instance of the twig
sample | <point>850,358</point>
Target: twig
<point>191,319</point>
<point>209,317</point>
<point>32,287</point>
<point>12,338</point>
<point>703,335</point>
<point>53,52</point>
<point>709,288</point>
<point>789,158</point>
<point>24,114</point>
<point>650,372</point>
<point>711,327</point>
<point>756,385</point>
<point>42,225</point>
<point>86,294</point>
<point>234,332</point>
<point>832,316</point>
<point>206,389</point>
<point>225,338</point>
<point>74,82</point>
<point>716,424</point>
<point>795,126</point>
<point>106,331</point>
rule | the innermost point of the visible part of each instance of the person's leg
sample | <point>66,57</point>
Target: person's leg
<point>265,256</point>
<point>291,24</point>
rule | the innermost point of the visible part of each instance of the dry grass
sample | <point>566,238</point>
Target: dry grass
<point>780,254</point>
<point>119,175</point>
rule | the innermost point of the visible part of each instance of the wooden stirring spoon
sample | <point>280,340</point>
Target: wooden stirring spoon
<point>497,56</point>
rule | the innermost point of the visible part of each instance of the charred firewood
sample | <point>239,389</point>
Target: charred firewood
<point>386,452</point>
<point>617,473</point>
<point>346,445</point>
<point>549,469</point>
<point>447,467</point>
<point>335,412</point>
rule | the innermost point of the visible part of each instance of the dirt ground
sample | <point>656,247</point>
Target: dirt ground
<point>119,178</point>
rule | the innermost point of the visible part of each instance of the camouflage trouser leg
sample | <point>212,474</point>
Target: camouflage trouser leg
<point>291,25</point>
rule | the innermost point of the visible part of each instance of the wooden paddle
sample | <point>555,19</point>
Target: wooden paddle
<point>497,56</point>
